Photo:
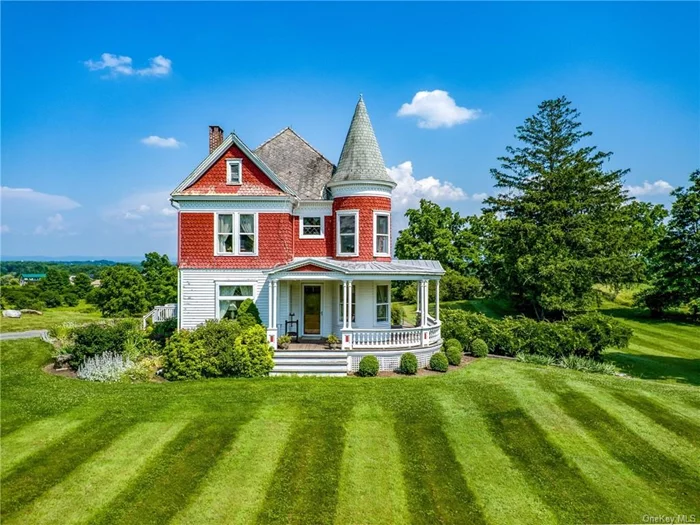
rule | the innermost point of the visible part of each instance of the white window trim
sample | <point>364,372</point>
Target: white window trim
<point>388,305</point>
<point>388,234</point>
<point>236,235</point>
<point>229,163</point>
<point>219,284</point>
<point>309,216</point>
<point>338,215</point>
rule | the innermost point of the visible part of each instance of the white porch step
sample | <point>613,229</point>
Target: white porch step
<point>317,363</point>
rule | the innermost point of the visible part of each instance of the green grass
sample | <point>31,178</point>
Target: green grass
<point>495,442</point>
<point>50,316</point>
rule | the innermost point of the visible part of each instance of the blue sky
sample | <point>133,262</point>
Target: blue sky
<point>78,178</point>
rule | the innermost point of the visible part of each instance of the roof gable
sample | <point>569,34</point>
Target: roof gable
<point>232,144</point>
<point>297,164</point>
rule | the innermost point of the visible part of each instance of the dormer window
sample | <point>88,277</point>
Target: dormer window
<point>347,233</point>
<point>381,234</point>
<point>234,171</point>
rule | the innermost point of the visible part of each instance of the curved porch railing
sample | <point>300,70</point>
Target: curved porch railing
<point>360,339</point>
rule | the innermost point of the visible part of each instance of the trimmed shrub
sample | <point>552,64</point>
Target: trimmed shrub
<point>408,364</point>
<point>452,342</point>
<point>397,314</point>
<point>454,355</point>
<point>105,367</point>
<point>601,331</point>
<point>218,339</point>
<point>369,366</point>
<point>438,362</point>
<point>184,357</point>
<point>251,355</point>
<point>248,314</point>
<point>479,348</point>
<point>97,338</point>
<point>163,331</point>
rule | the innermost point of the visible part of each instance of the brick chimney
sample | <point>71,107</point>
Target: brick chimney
<point>216,137</point>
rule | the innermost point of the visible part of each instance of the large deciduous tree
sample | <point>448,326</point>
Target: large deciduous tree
<point>439,234</point>
<point>561,222</point>
<point>122,292</point>
<point>161,279</point>
<point>82,284</point>
<point>57,281</point>
<point>675,262</point>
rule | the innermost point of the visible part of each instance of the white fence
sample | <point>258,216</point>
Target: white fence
<point>160,314</point>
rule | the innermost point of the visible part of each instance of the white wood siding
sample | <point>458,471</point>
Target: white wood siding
<point>197,301</point>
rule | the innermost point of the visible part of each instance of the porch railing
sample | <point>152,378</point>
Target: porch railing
<point>360,339</point>
<point>160,314</point>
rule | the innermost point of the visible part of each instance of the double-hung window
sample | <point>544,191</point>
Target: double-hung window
<point>341,316</point>
<point>230,297</point>
<point>381,234</point>
<point>311,227</point>
<point>347,233</point>
<point>382,303</point>
<point>234,171</point>
<point>236,234</point>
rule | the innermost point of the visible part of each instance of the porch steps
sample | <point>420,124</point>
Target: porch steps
<point>310,363</point>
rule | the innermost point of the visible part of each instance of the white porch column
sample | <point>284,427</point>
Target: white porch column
<point>437,300</point>
<point>346,333</point>
<point>272,313</point>
<point>424,312</point>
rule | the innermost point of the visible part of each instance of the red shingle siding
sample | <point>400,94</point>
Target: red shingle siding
<point>310,268</point>
<point>366,206</point>
<point>197,242</point>
<point>314,247</point>
<point>255,182</point>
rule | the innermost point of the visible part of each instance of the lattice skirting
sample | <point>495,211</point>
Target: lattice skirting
<point>389,360</point>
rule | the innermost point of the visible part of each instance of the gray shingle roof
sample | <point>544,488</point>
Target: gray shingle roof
<point>361,158</point>
<point>396,266</point>
<point>297,164</point>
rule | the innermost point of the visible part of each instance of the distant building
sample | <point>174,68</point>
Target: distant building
<point>30,278</point>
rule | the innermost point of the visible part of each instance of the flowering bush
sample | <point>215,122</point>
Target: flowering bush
<point>104,367</point>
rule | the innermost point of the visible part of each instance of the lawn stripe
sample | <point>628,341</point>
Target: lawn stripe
<point>656,468</point>
<point>32,439</point>
<point>618,485</point>
<point>557,481</point>
<point>234,489</point>
<point>371,481</point>
<point>500,487</point>
<point>97,481</point>
<point>437,490</point>
<point>662,415</point>
<point>171,478</point>
<point>45,469</point>
<point>304,487</point>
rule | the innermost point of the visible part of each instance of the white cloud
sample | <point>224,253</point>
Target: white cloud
<point>147,213</point>
<point>410,190</point>
<point>54,224</point>
<point>436,109</point>
<point>116,65</point>
<point>4,228</point>
<point>168,211</point>
<point>24,197</point>
<point>659,187</point>
<point>479,196</point>
<point>160,142</point>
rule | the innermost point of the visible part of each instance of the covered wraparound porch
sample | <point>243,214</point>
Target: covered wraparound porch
<point>313,298</point>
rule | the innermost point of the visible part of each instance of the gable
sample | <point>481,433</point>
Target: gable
<point>309,268</point>
<point>209,178</point>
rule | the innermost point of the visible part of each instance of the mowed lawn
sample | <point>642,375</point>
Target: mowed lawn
<point>82,313</point>
<point>495,442</point>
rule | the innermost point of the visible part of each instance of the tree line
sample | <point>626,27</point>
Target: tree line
<point>561,223</point>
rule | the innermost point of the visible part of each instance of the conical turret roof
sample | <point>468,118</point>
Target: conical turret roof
<point>361,159</point>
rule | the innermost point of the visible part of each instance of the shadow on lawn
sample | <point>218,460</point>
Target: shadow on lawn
<point>681,370</point>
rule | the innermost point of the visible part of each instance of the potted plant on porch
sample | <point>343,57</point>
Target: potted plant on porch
<point>283,341</point>
<point>333,342</point>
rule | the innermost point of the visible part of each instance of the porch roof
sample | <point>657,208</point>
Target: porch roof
<point>396,268</point>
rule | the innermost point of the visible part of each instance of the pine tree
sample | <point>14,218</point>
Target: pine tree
<point>561,223</point>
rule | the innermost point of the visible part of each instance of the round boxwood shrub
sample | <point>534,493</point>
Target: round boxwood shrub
<point>452,343</point>
<point>479,348</point>
<point>454,354</point>
<point>408,364</point>
<point>369,366</point>
<point>438,362</point>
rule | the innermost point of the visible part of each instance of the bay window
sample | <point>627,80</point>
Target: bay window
<point>381,234</point>
<point>229,298</point>
<point>236,234</point>
<point>347,233</point>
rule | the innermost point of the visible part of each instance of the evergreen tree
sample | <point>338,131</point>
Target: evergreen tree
<point>82,285</point>
<point>161,279</point>
<point>561,222</point>
<point>675,266</point>
<point>57,281</point>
